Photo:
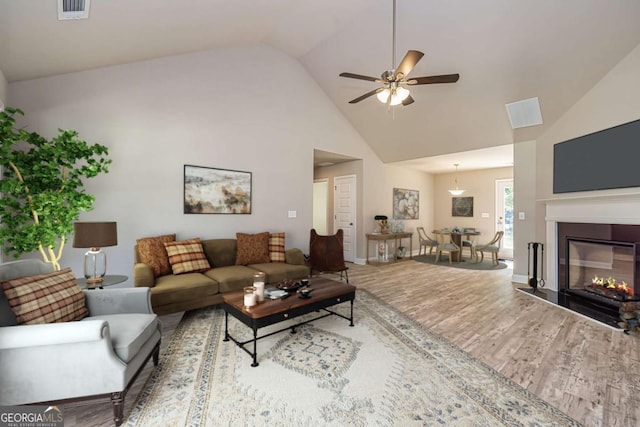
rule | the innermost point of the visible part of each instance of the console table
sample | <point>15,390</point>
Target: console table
<point>385,257</point>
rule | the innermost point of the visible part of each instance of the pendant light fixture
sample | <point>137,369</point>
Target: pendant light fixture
<point>456,191</point>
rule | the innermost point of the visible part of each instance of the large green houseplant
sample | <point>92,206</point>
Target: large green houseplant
<point>42,189</point>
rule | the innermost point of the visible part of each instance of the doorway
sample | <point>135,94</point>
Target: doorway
<point>321,206</point>
<point>504,215</point>
<point>344,212</point>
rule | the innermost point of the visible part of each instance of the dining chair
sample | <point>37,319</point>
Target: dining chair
<point>445,245</point>
<point>425,240</point>
<point>468,242</point>
<point>493,247</point>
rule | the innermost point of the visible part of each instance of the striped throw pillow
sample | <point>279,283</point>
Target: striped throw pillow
<point>187,256</point>
<point>46,298</point>
<point>276,247</point>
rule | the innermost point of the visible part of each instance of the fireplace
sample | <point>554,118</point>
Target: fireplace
<point>596,266</point>
<point>611,217</point>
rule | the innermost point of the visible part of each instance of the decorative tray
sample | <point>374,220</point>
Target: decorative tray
<point>289,285</point>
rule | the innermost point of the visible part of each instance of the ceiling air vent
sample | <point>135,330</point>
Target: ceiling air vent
<point>73,9</point>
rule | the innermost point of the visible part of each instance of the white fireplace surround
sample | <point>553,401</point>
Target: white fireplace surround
<point>604,209</point>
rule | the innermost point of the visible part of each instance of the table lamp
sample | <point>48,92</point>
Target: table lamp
<point>95,235</point>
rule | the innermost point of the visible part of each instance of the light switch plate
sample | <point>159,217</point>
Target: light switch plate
<point>293,214</point>
<point>521,215</point>
<point>485,215</point>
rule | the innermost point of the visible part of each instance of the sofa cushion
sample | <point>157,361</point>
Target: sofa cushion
<point>129,332</point>
<point>232,278</point>
<point>195,284</point>
<point>252,248</point>
<point>151,251</point>
<point>220,252</point>
<point>184,292</point>
<point>277,272</point>
<point>46,298</point>
<point>276,247</point>
<point>187,256</point>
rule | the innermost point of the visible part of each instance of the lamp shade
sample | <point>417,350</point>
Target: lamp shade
<point>95,234</point>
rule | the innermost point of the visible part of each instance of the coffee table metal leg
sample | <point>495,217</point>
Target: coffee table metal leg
<point>255,348</point>
<point>351,317</point>
<point>226,326</point>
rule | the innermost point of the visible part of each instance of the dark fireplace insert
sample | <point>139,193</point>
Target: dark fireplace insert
<point>597,265</point>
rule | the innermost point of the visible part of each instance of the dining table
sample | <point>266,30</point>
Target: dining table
<point>456,237</point>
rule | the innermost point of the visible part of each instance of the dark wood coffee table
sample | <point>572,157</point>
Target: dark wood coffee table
<point>326,293</point>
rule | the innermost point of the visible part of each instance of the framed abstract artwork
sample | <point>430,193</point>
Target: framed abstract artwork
<point>462,206</point>
<point>406,204</point>
<point>216,191</point>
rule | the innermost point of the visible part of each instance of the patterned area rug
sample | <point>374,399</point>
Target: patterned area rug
<point>465,264</point>
<point>387,370</point>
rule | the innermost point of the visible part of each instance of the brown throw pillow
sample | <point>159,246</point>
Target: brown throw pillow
<point>46,298</point>
<point>276,247</point>
<point>187,256</point>
<point>152,252</point>
<point>252,248</point>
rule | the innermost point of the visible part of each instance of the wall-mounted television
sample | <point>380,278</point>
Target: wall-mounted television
<point>602,160</point>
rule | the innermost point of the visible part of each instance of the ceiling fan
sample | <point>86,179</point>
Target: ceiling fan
<point>393,90</point>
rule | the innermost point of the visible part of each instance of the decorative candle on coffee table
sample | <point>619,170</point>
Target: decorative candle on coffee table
<point>250,298</point>
<point>258,283</point>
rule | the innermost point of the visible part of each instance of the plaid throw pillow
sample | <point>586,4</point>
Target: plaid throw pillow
<point>252,248</point>
<point>187,256</point>
<point>46,298</point>
<point>152,252</point>
<point>276,247</point>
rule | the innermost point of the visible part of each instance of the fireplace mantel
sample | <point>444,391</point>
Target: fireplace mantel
<point>620,208</point>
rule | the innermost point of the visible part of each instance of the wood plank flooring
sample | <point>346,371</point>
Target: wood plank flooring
<point>587,370</point>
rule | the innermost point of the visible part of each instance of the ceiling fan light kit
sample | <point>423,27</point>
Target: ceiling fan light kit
<point>392,92</point>
<point>397,96</point>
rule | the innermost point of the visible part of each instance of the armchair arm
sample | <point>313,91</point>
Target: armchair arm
<point>143,275</point>
<point>294,256</point>
<point>13,337</point>
<point>55,361</point>
<point>118,301</point>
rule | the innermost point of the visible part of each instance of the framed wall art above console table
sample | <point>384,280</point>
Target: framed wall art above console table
<point>386,252</point>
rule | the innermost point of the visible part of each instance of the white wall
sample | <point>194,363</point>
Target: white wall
<point>399,177</point>
<point>613,101</point>
<point>3,91</point>
<point>250,109</point>
<point>524,180</point>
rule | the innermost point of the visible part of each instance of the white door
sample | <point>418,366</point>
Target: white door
<point>344,212</point>
<point>504,215</point>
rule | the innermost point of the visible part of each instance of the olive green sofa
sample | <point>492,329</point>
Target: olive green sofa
<point>173,293</point>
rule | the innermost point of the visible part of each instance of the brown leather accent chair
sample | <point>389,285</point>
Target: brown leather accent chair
<point>327,254</point>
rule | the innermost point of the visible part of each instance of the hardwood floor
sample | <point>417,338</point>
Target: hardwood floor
<point>586,369</point>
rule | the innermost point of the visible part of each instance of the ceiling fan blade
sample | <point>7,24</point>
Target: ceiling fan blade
<point>445,78</point>
<point>366,95</point>
<point>408,62</point>
<point>360,77</point>
<point>408,101</point>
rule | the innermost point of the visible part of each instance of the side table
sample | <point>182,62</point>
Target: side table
<point>109,280</point>
<point>396,238</point>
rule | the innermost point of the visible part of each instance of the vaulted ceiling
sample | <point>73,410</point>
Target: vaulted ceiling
<point>504,51</point>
